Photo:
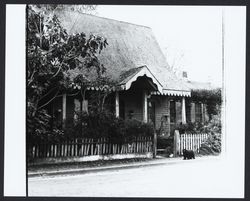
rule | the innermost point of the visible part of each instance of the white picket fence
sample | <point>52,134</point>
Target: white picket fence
<point>188,141</point>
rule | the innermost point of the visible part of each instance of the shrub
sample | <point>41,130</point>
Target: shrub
<point>97,125</point>
<point>190,127</point>
<point>134,128</point>
<point>213,144</point>
<point>212,98</point>
<point>166,143</point>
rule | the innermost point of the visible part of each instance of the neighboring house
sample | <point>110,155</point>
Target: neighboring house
<point>150,91</point>
<point>196,111</point>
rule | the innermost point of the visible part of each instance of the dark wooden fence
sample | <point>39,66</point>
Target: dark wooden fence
<point>88,147</point>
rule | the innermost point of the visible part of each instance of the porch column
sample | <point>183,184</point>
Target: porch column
<point>202,113</point>
<point>145,106</point>
<point>64,109</point>
<point>183,111</point>
<point>117,103</point>
<point>192,112</point>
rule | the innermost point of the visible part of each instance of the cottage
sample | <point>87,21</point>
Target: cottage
<point>149,90</point>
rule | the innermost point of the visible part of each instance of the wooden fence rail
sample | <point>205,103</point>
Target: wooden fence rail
<point>88,146</point>
<point>188,141</point>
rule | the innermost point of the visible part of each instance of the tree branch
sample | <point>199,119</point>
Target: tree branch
<point>48,101</point>
<point>48,93</point>
<point>103,101</point>
<point>31,77</point>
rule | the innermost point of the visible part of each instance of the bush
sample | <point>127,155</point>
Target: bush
<point>167,144</point>
<point>97,125</point>
<point>134,128</point>
<point>213,144</point>
<point>190,127</point>
<point>212,98</point>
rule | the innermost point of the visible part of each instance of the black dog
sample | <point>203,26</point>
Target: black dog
<point>188,154</point>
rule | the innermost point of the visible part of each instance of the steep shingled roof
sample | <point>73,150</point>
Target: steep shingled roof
<point>130,46</point>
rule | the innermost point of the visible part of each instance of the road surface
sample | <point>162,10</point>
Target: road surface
<point>192,178</point>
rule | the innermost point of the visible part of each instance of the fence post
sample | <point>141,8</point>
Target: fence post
<point>176,143</point>
<point>155,145</point>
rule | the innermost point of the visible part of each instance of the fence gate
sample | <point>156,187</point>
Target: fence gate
<point>188,141</point>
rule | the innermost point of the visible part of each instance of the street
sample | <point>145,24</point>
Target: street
<point>191,178</point>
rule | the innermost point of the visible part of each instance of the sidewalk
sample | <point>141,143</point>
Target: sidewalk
<point>97,166</point>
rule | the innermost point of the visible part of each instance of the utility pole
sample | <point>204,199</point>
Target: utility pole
<point>223,114</point>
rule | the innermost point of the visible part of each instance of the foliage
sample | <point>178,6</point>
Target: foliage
<point>212,126</point>
<point>79,8</point>
<point>51,54</point>
<point>213,144</point>
<point>97,125</point>
<point>195,127</point>
<point>98,97</point>
<point>166,143</point>
<point>212,98</point>
<point>135,128</point>
<point>105,124</point>
<point>200,95</point>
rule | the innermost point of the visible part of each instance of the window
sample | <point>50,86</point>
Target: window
<point>188,111</point>
<point>172,112</point>
<point>198,115</point>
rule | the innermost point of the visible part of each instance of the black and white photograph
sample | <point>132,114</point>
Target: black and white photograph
<point>128,101</point>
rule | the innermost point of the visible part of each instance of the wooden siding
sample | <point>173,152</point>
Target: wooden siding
<point>162,114</point>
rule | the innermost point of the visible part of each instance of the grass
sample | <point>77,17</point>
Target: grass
<point>85,164</point>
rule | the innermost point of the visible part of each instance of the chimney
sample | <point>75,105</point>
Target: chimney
<point>184,75</point>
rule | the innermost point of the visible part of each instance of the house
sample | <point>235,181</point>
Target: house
<point>196,110</point>
<point>149,90</point>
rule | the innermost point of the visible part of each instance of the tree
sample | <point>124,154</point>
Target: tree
<point>212,98</point>
<point>84,8</point>
<point>175,58</point>
<point>51,54</point>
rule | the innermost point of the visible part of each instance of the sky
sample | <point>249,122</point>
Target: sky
<point>189,36</point>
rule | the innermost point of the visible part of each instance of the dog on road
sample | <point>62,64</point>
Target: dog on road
<point>188,154</point>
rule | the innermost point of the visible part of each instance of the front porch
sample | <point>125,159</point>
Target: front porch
<point>141,97</point>
<point>144,99</point>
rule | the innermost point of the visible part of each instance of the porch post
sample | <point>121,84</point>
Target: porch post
<point>202,113</point>
<point>183,111</point>
<point>145,106</point>
<point>117,103</point>
<point>192,112</point>
<point>64,109</point>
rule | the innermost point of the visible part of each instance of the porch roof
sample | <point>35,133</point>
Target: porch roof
<point>130,76</point>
